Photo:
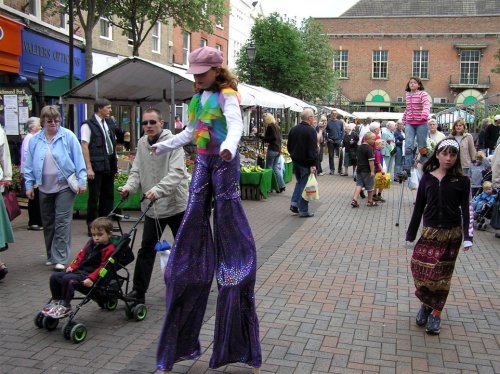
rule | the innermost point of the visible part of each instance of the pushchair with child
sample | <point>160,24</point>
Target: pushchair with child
<point>483,209</point>
<point>111,285</point>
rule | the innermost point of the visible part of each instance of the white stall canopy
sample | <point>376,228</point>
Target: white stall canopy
<point>134,80</point>
<point>343,113</point>
<point>379,116</point>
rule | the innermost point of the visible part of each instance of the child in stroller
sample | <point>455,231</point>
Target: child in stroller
<point>85,269</point>
<point>482,203</point>
<point>105,281</point>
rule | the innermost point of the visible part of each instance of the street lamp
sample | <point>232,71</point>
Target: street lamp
<point>251,57</point>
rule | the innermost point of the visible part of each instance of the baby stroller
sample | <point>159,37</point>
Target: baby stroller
<point>483,215</point>
<point>111,285</point>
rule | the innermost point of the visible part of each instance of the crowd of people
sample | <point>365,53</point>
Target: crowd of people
<point>56,166</point>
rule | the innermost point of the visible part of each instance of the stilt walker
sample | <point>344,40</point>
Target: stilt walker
<point>216,126</point>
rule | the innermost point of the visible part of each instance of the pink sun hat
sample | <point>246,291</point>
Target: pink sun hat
<point>203,59</point>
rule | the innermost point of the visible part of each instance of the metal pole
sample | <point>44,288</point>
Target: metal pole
<point>402,178</point>
<point>172,103</point>
<point>41,88</point>
<point>71,57</point>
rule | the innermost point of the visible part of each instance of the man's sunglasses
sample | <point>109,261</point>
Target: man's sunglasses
<point>149,122</point>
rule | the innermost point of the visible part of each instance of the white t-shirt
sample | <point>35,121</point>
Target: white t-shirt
<point>86,133</point>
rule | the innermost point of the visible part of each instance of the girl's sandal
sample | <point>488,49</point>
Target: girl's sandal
<point>354,204</point>
<point>371,203</point>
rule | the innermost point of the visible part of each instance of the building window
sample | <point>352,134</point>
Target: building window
<point>218,47</point>
<point>421,64</point>
<point>34,7</point>
<point>469,66</point>
<point>203,43</point>
<point>186,47</point>
<point>130,39</point>
<point>379,65</point>
<point>155,36</point>
<point>105,29</point>
<point>340,60</point>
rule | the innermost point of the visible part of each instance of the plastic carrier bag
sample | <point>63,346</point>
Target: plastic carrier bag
<point>311,192</point>
<point>163,248</point>
<point>414,179</point>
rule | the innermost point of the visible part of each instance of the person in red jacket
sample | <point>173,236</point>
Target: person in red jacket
<point>85,269</point>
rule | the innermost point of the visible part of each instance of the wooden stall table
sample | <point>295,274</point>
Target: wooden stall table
<point>256,185</point>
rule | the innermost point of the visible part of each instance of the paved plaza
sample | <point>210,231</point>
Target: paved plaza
<point>334,295</point>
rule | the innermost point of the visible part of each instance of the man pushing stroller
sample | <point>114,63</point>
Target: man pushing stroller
<point>84,270</point>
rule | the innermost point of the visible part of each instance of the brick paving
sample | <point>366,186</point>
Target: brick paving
<point>334,295</point>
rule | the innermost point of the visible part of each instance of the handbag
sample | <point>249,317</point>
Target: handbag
<point>73,182</point>
<point>311,192</point>
<point>393,149</point>
<point>72,179</point>
<point>495,214</point>
<point>10,201</point>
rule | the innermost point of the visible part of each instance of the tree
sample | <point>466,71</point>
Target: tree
<point>319,54</point>
<point>88,12</point>
<point>280,61</point>
<point>290,60</point>
<point>137,17</point>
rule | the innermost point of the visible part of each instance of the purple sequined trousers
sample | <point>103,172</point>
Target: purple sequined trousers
<point>195,256</point>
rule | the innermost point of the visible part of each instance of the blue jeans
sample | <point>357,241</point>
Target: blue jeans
<point>302,175</point>
<point>420,131</point>
<point>398,161</point>
<point>272,162</point>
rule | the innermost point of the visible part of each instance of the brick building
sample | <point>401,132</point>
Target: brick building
<point>380,44</point>
<point>184,41</point>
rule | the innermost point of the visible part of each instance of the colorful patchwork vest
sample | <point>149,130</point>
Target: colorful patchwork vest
<point>208,121</point>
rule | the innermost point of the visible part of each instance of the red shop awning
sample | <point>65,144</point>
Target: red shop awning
<point>10,44</point>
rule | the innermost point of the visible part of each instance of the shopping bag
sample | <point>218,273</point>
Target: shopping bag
<point>383,181</point>
<point>311,192</point>
<point>495,214</point>
<point>10,200</point>
<point>414,179</point>
<point>163,248</point>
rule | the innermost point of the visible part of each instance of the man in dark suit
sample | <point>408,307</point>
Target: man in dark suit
<point>99,151</point>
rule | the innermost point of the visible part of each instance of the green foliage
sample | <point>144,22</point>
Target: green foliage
<point>322,77</point>
<point>88,13</point>
<point>290,60</point>
<point>137,17</point>
<point>496,69</point>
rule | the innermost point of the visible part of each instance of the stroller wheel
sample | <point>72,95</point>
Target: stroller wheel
<point>78,333</point>
<point>111,304</point>
<point>67,329</point>
<point>39,320</point>
<point>50,323</point>
<point>140,312</point>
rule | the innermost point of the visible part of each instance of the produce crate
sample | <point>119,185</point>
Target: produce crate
<point>250,192</point>
<point>124,165</point>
